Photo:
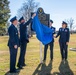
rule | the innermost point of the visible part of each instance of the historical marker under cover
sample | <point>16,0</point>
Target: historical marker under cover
<point>43,17</point>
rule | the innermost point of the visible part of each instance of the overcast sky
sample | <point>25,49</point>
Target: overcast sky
<point>59,10</point>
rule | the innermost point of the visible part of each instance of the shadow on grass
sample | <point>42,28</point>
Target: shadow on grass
<point>8,73</point>
<point>64,69</point>
<point>42,69</point>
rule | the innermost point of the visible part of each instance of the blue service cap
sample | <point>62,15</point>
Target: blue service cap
<point>13,19</point>
<point>64,22</point>
<point>22,18</point>
<point>51,21</point>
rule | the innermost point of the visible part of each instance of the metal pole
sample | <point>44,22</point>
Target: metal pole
<point>41,59</point>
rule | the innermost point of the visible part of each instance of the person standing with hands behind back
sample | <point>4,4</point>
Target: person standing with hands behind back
<point>63,40</point>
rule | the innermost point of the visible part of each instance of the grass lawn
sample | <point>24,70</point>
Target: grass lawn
<point>57,67</point>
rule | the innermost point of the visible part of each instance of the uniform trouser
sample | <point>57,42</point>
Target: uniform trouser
<point>23,47</point>
<point>51,44</point>
<point>63,49</point>
<point>13,55</point>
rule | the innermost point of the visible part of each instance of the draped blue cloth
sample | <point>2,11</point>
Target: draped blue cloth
<point>43,32</point>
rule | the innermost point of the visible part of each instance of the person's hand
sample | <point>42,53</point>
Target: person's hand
<point>54,36</point>
<point>15,46</point>
<point>67,43</point>
<point>33,15</point>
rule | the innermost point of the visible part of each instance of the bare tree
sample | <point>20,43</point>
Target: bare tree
<point>70,23</point>
<point>28,7</point>
<point>25,11</point>
<point>74,27</point>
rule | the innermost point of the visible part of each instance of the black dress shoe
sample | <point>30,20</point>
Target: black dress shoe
<point>20,67</point>
<point>24,65</point>
<point>65,59</point>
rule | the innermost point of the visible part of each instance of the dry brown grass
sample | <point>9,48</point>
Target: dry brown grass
<point>57,67</point>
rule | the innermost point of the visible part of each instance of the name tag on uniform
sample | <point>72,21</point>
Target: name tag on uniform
<point>60,30</point>
<point>65,30</point>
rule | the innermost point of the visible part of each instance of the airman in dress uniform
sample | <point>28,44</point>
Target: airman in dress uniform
<point>63,40</point>
<point>23,40</point>
<point>51,44</point>
<point>13,43</point>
